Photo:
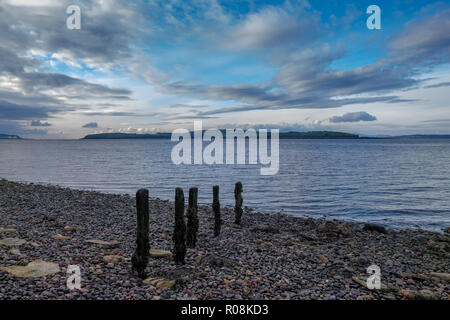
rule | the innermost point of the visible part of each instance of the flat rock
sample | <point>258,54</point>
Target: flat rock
<point>363,283</point>
<point>113,258</point>
<point>34,269</point>
<point>415,276</point>
<point>160,283</point>
<point>7,230</point>
<point>426,295</point>
<point>104,244</point>
<point>15,252</point>
<point>410,294</point>
<point>70,229</point>
<point>322,258</point>
<point>12,242</point>
<point>60,237</point>
<point>156,253</point>
<point>445,276</point>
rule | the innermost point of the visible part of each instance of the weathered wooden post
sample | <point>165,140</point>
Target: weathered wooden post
<point>141,254</point>
<point>179,250</point>
<point>238,203</point>
<point>192,219</point>
<point>216,210</point>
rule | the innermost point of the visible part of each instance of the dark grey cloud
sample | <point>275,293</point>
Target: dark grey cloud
<point>438,85</point>
<point>18,128</point>
<point>11,111</point>
<point>353,117</point>
<point>39,123</point>
<point>73,87</point>
<point>91,125</point>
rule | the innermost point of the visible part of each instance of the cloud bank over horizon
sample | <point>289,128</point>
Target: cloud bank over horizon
<point>156,66</point>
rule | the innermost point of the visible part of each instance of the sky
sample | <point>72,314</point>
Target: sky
<point>156,66</point>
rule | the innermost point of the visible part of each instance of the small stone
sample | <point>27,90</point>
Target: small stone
<point>408,293</point>
<point>15,252</point>
<point>60,237</point>
<point>360,281</point>
<point>114,259</point>
<point>70,229</point>
<point>322,258</point>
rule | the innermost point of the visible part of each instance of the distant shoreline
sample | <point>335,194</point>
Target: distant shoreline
<point>333,135</point>
<point>282,135</point>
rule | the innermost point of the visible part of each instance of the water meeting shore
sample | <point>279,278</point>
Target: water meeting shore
<point>269,256</point>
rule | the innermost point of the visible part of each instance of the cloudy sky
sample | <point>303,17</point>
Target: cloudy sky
<point>149,66</point>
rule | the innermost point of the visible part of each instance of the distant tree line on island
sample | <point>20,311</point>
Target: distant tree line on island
<point>283,135</point>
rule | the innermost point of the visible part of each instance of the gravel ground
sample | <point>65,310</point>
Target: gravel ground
<point>268,257</point>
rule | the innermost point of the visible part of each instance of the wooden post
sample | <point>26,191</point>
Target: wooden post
<point>179,250</point>
<point>141,254</point>
<point>238,202</point>
<point>216,210</point>
<point>192,219</point>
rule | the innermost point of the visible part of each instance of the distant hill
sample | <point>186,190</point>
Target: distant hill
<point>9,136</point>
<point>318,135</point>
<point>283,135</point>
<point>424,136</point>
<point>118,135</point>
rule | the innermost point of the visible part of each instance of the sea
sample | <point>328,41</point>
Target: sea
<point>398,183</point>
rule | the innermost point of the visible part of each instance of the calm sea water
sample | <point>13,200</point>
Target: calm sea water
<point>397,183</point>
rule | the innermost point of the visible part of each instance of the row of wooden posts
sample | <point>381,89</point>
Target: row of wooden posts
<point>184,235</point>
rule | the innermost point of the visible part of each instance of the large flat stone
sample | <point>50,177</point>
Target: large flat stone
<point>60,237</point>
<point>160,283</point>
<point>113,259</point>
<point>7,230</point>
<point>156,253</point>
<point>70,229</point>
<point>34,269</point>
<point>445,276</point>
<point>12,242</point>
<point>104,244</point>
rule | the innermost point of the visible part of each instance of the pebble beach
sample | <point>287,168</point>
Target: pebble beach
<point>268,256</point>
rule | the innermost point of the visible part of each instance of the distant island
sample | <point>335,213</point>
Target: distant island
<point>118,135</point>
<point>10,137</point>
<point>283,135</point>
